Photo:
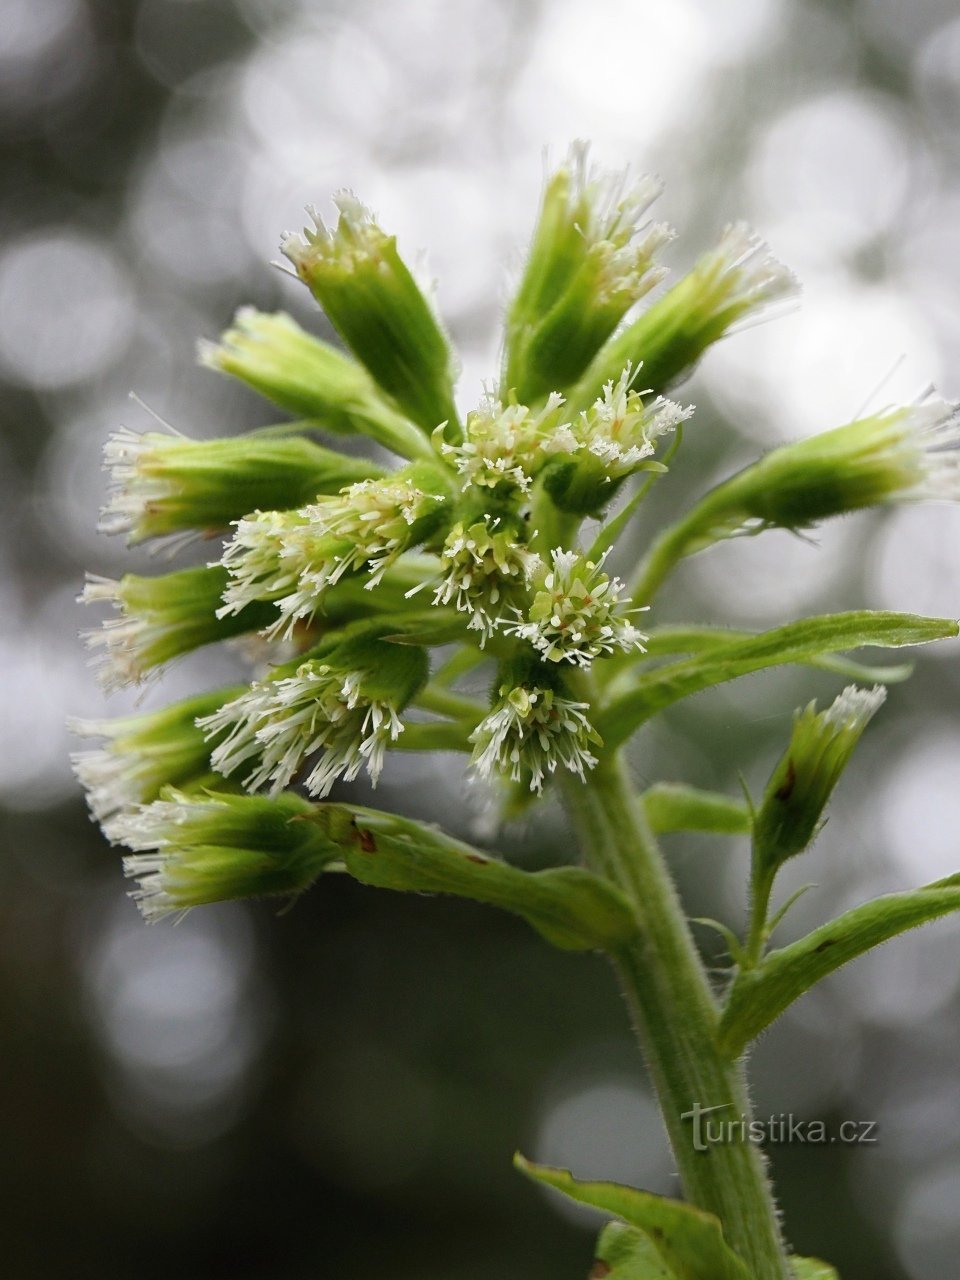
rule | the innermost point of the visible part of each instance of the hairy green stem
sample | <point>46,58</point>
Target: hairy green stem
<point>676,1019</point>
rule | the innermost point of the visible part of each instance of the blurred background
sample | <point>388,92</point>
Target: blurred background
<point>337,1091</point>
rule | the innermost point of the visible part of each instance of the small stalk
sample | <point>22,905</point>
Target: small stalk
<point>676,1019</point>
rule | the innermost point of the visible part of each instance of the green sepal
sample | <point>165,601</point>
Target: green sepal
<point>796,642</point>
<point>673,806</point>
<point>568,906</point>
<point>624,1253</point>
<point>759,995</point>
<point>689,1241</point>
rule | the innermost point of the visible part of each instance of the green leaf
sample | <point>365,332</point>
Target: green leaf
<point>673,806</point>
<point>796,642</point>
<point>689,1241</point>
<point>570,907</point>
<point>760,995</point>
<point>623,1253</point>
<point>664,641</point>
<point>813,1269</point>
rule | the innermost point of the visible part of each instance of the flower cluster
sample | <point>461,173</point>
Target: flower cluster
<point>505,516</point>
<point>578,613</point>
<point>531,733</point>
<point>316,711</point>
<point>294,557</point>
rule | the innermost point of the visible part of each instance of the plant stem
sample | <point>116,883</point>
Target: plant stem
<point>676,1018</point>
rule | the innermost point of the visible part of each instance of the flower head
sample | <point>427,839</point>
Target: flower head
<point>142,754</point>
<point>346,717</point>
<point>293,557</point>
<point>736,280</point>
<point>899,455</point>
<point>821,745</point>
<point>530,733</point>
<point>193,850</point>
<point>371,297</point>
<point>158,619</point>
<point>506,445</point>
<point>577,613</point>
<point>162,484</point>
<point>591,259</point>
<point>484,567</point>
<point>621,430</point>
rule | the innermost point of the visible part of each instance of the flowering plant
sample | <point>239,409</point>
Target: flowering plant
<point>476,548</point>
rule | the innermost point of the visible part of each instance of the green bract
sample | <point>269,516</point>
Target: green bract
<point>464,553</point>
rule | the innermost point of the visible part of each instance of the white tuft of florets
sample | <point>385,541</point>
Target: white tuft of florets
<point>506,445</point>
<point>280,723</point>
<point>484,565</point>
<point>121,645</point>
<point>743,275</point>
<point>621,430</point>
<point>854,708</point>
<point>532,732</point>
<point>577,613</point>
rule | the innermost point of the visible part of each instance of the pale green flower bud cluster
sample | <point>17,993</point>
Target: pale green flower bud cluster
<point>820,748</point>
<point>324,558</point>
<point>205,849</point>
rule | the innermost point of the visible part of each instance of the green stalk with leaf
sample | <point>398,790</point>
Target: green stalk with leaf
<point>473,549</point>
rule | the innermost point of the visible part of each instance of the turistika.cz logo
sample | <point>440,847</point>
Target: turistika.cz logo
<point>710,1128</point>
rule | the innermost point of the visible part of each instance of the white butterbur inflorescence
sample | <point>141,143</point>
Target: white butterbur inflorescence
<point>484,568</point>
<point>621,430</point>
<point>531,733</point>
<point>465,540</point>
<point>294,557</point>
<point>578,613</point>
<point>278,724</point>
<point>506,445</point>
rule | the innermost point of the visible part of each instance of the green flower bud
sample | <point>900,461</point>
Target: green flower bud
<point>732,282</point>
<point>894,456</point>
<point>159,619</point>
<point>164,484</point>
<point>145,753</point>
<point>309,378</point>
<point>820,748</point>
<point>218,848</point>
<point>374,303</point>
<point>591,259</point>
